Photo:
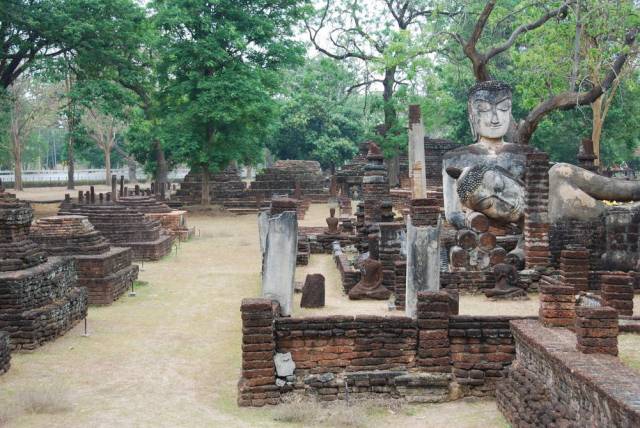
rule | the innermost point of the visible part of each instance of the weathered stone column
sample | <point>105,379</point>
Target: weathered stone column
<point>257,384</point>
<point>114,187</point>
<point>434,349</point>
<point>536,215</point>
<point>423,263</point>
<point>375,186</point>
<point>417,171</point>
<point>279,264</point>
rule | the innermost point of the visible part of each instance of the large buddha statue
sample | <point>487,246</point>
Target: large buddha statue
<point>486,176</point>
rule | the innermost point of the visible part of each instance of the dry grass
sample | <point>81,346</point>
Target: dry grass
<point>43,400</point>
<point>170,357</point>
<point>629,349</point>
<point>359,414</point>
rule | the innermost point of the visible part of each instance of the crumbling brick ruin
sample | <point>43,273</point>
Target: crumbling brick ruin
<point>174,221</point>
<point>39,300</point>
<point>104,270</point>
<point>225,186</point>
<point>124,227</point>
<point>285,176</point>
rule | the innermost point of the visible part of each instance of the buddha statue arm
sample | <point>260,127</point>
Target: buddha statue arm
<point>453,211</point>
<point>596,186</point>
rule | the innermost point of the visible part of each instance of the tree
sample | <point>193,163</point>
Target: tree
<point>104,130</point>
<point>318,119</point>
<point>221,62</point>
<point>386,37</point>
<point>32,105</point>
<point>562,100</point>
<point>76,40</point>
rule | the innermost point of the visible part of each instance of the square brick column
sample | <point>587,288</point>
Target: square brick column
<point>536,215</point>
<point>597,330</point>
<point>434,349</point>
<point>574,264</point>
<point>400,283</point>
<point>557,303</point>
<point>617,292</point>
<point>257,385</point>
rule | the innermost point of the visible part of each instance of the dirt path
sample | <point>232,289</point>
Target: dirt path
<point>170,357</point>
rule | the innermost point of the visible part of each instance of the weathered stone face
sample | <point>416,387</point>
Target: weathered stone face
<point>490,109</point>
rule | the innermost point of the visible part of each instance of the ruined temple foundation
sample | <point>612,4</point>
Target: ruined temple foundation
<point>104,270</point>
<point>174,221</point>
<point>125,227</point>
<point>39,300</point>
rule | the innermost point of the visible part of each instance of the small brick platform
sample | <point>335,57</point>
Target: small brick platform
<point>105,271</point>
<point>552,384</point>
<point>5,352</point>
<point>126,228</point>
<point>174,221</point>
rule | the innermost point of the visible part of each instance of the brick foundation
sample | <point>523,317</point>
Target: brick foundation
<point>552,384</point>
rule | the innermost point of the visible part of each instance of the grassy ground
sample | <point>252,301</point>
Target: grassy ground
<point>170,356</point>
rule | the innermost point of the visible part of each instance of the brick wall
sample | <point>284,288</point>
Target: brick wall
<point>482,350</point>
<point>396,357</point>
<point>552,384</point>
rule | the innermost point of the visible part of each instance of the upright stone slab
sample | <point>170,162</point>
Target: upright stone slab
<point>417,170</point>
<point>280,260</point>
<point>423,263</point>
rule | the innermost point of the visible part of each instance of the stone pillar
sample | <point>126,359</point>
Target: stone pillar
<point>80,196</point>
<point>121,194</point>
<point>434,349</point>
<point>597,330</point>
<point>375,187</point>
<point>92,193</point>
<point>280,260</point>
<point>617,292</point>
<point>114,186</point>
<point>557,303</point>
<point>257,384</point>
<point>417,170</point>
<point>423,263</point>
<point>389,248</point>
<point>400,281</point>
<point>536,217</point>
<point>574,265</point>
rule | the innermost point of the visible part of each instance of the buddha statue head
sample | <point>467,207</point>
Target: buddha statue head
<point>491,190</point>
<point>489,110</point>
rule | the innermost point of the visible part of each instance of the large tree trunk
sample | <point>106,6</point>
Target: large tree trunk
<point>71,125</point>
<point>131,164</point>
<point>206,195</point>
<point>162,170</point>
<point>107,165</point>
<point>390,117</point>
<point>17,158</point>
<point>596,132</point>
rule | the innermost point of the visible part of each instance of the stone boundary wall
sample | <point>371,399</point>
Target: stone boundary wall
<point>5,352</point>
<point>552,384</point>
<point>435,358</point>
